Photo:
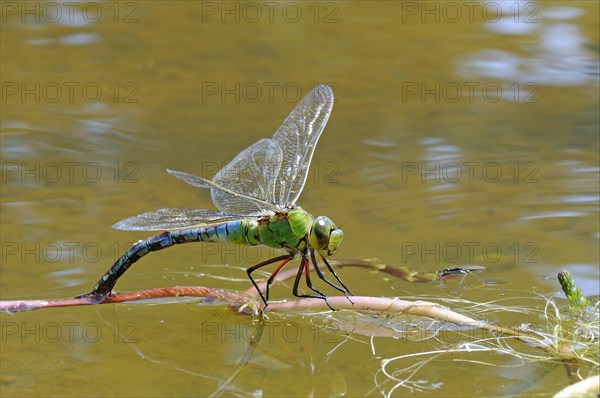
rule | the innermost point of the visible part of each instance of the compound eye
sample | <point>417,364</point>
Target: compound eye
<point>321,230</point>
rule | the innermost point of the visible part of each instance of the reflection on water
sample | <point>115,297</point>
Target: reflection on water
<point>555,53</point>
<point>78,39</point>
<point>577,187</point>
<point>86,135</point>
<point>567,182</point>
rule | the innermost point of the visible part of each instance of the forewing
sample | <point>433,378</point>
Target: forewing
<point>252,173</point>
<point>250,203</point>
<point>271,173</point>
<point>191,179</point>
<point>297,137</point>
<point>163,219</point>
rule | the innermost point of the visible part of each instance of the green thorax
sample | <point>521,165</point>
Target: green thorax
<point>285,229</point>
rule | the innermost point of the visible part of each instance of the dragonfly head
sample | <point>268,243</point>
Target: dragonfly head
<point>325,236</point>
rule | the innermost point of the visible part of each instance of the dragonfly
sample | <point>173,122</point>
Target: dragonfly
<point>255,195</point>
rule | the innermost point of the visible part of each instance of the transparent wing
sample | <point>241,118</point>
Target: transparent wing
<point>297,137</point>
<point>245,185</point>
<point>163,219</point>
<point>270,174</point>
<point>252,173</point>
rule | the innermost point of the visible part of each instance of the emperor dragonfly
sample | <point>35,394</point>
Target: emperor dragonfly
<point>255,195</point>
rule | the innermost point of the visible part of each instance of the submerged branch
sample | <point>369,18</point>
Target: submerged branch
<point>244,304</point>
<point>247,302</point>
<point>176,291</point>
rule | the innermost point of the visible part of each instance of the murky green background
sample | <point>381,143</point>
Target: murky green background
<point>459,136</point>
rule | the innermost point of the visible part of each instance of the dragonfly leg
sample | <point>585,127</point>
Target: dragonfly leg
<point>330,268</point>
<point>322,276</point>
<point>274,274</point>
<point>304,269</point>
<point>285,257</point>
<point>310,286</point>
<point>308,281</point>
